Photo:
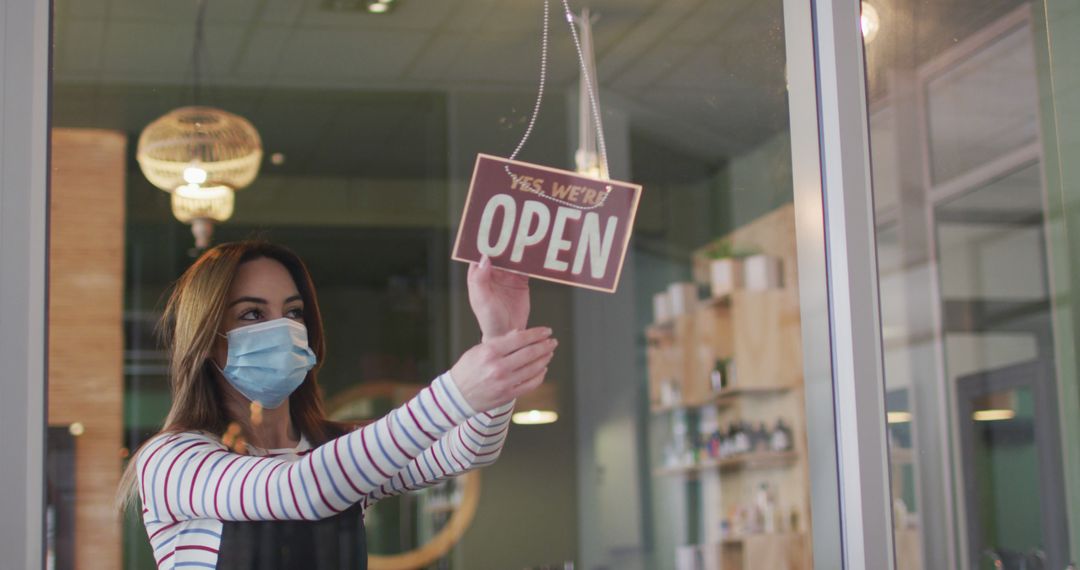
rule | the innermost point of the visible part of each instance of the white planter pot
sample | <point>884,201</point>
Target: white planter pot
<point>683,298</point>
<point>725,276</point>
<point>661,307</point>
<point>762,272</point>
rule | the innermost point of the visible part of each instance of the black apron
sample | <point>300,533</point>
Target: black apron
<point>335,543</point>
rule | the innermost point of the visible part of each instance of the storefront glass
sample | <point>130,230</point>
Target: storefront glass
<point>973,130</point>
<point>681,439</point>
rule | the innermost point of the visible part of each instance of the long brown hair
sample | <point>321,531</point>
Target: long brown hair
<point>192,317</point>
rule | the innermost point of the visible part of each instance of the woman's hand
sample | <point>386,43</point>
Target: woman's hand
<point>499,299</point>
<point>498,370</point>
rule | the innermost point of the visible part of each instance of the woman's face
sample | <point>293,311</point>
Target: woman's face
<point>263,290</point>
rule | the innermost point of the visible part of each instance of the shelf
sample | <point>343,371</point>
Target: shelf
<point>721,301</point>
<point>754,460</point>
<point>740,539</point>
<point>724,397</point>
<point>665,408</point>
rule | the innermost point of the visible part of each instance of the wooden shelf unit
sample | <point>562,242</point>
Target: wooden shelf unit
<point>760,333</point>
<point>754,460</point>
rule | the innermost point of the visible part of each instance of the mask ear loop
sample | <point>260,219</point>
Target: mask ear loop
<point>211,358</point>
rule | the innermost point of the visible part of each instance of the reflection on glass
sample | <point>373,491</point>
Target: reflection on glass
<point>957,95</point>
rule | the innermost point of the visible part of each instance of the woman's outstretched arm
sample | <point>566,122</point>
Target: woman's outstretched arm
<point>188,475</point>
<point>473,444</point>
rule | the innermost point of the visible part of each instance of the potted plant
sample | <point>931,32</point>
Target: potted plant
<point>726,267</point>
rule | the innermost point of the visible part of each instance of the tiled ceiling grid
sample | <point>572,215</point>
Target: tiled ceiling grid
<point>704,73</point>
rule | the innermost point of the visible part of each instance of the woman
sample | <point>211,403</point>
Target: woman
<point>249,473</point>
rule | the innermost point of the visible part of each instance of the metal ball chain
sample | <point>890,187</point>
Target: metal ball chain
<point>593,102</point>
<point>540,89</point>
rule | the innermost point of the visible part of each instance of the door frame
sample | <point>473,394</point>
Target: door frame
<point>24,144</point>
<point>1038,376</point>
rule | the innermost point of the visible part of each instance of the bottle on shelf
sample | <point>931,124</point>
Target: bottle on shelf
<point>780,439</point>
<point>743,442</point>
<point>718,378</point>
<point>708,429</point>
<point>760,438</point>
<point>765,509</point>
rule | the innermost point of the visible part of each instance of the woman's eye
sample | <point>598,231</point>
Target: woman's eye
<point>251,315</point>
<point>297,313</point>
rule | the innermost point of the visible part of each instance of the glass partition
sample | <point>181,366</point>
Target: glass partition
<point>681,436</point>
<point>971,171</point>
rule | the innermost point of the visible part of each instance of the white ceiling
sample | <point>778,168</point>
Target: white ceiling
<point>705,73</point>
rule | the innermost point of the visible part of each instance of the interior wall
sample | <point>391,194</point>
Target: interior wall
<point>86,276</point>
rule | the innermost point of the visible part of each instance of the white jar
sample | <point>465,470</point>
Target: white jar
<point>683,298</point>
<point>661,304</point>
<point>762,272</point>
<point>725,275</point>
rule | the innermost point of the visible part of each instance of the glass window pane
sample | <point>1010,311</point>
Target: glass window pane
<point>679,437</point>
<point>975,281</point>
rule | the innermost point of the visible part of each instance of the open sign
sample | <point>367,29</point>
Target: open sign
<point>548,223</point>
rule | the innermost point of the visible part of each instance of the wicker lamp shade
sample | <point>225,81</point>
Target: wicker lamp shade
<point>200,145</point>
<point>193,202</point>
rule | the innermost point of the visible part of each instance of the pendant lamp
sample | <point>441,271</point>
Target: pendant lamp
<point>201,155</point>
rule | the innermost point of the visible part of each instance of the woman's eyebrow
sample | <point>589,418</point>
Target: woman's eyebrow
<point>249,299</point>
<point>264,301</point>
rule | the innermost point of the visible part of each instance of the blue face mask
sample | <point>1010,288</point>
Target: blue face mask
<point>267,361</point>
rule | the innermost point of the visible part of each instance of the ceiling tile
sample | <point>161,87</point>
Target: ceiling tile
<point>181,11</point>
<point>280,12</point>
<point>82,9</point>
<point>78,46</point>
<point>661,61</point>
<point>149,51</point>
<point>438,56</point>
<point>504,58</point>
<point>406,15</point>
<point>349,54</point>
<point>260,57</point>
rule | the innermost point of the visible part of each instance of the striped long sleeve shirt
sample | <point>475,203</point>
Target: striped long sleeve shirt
<point>190,482</point>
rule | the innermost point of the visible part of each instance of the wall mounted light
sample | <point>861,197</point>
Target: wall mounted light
<point>995,407</point>
<point>380,6</point>
<point>898,417</point>
<point>537,407</point>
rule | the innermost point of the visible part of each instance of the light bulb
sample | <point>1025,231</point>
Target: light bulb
<point>869,22</point>
<point>899,417</point>
<point>534,417</point>
<point>194,175</point>
<point>993,415</point>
